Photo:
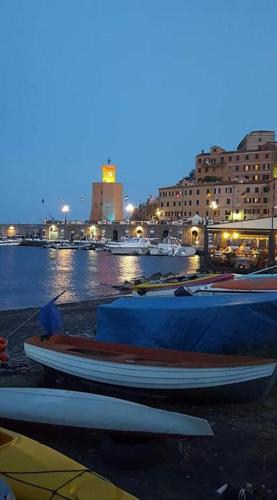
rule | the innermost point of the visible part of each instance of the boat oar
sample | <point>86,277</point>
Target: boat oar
<point>32,316</point>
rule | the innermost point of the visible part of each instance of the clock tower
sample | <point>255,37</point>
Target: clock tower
<point>107,196</point>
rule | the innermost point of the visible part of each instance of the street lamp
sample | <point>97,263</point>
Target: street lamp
<point>129,209</point>
<point>213,206</point>
<point>158,213</point>
<point>271,241</point>
<point>65,210</point>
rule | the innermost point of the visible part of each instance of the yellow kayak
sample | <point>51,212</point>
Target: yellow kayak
<point>168,285</point>
<point>36,472</point>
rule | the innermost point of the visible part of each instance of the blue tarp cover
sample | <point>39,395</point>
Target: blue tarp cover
<point>223,323</point>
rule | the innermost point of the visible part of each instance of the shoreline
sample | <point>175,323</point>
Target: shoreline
<point>243,449</point>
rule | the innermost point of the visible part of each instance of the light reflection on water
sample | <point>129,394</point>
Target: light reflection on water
<point>28,277</point>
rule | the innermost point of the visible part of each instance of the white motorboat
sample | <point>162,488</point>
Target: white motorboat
<point>93,411</point>
<point>10,242</point>
<point>161,370</point>
<point>172,247</point>
<point>132,246</point>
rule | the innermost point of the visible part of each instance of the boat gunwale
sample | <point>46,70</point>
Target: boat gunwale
<point>134,355</point>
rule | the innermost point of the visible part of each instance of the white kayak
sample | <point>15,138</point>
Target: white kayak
<point>95,412</point>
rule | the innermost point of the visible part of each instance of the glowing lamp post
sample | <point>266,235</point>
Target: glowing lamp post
<point>65,210</point>
<point>213,206</point>
<point>129,210</point>
<point>158,213</point>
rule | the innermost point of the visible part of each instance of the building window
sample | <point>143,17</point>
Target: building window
<point>229,158</point>
<point>265,177</point>
<point>247,157</point>
<point>206,170</point>
<point>266,155</point>
<point>266,166</point>
<point>255,177</point>
<point>247,200</point>
<point>162,203</point>
<point>174,203</point>
<point>246,168</point>
<point>199,160</point>
<point>237,157</point>
<point>228,201</point>
<point>257,167</point>
<point>179,203</point>
<point>207,213</point>
<point>256,156</point>
<point>247,190</point>
<point>237,168</point>
<point>167,203</point>
<point>185,202</point>
<point>197,202</point>
<point>264,200</point>
<point>197,191</point>
<point>256,200</point>
<point>190,192</point>
<point>189,213</point>
<point>189,202</point>
<point>256,189</point>
<point>199,170</point>
<point>208,191</point>
<point>222,159</point>
<point>185,214</point>
<point>185,193</point>
<point>265,210</point>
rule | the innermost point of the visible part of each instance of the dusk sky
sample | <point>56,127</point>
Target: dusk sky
<point>147,83</point>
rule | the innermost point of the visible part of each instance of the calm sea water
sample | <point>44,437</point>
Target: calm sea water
<point>28,277</point>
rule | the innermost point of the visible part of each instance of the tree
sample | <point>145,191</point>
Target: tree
<point>211,178</point>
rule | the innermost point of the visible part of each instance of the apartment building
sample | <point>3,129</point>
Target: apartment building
<point>229,185</point>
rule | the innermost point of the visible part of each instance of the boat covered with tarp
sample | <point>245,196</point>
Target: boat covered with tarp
<point>227,324</point>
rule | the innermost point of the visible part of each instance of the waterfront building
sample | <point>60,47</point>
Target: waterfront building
<point>107,196</point>
<point>228,185</point>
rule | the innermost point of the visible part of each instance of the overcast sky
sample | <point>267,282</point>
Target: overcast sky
<point>147,83</point>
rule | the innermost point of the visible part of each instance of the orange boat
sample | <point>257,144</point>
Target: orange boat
<point>247,285</point>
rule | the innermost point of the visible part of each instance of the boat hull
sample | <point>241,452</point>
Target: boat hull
<point>253,381</point>
<point>95,412</point>
<point>37,472</point>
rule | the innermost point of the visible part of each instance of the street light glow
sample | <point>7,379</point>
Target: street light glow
<point>130,208</point>
<point>213,205</point>
<point>65,209</point>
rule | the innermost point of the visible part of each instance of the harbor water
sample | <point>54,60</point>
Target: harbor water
<point>29,277</point>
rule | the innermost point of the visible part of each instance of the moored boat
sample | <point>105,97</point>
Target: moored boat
<point>132,246</point>
<point>95,412</point>
<point>159,370</point>
<point>36,472</point>
<point>168,287</point>
<point>241,284</point>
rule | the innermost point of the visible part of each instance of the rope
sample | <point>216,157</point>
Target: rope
<point>242,494</point>
<point>32,316</point>
<point>54,492</point>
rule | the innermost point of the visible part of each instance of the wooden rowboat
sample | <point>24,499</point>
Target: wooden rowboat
<point>159,370</point>
<point>95,412</point>
<point>36,472</point>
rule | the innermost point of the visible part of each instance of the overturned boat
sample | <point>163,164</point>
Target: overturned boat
<point>95,412</point>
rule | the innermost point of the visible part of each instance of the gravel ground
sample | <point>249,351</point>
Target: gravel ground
<point>243,449</point>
